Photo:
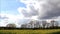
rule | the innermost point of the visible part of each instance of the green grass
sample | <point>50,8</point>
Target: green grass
<point>44,31</point>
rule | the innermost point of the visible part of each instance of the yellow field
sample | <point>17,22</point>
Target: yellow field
<point>50,31</point>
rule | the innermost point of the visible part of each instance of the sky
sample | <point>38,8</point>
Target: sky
<point>22,11</point>
<point>8,9</point>
<point>10,6</point>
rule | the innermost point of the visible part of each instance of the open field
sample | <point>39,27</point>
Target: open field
<point>43,31</point>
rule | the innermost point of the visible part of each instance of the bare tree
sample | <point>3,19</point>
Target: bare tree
<point>24,26</point>
<point>48,24</point>
<point>44,24</point>
<point>32,23</point>
<point>56,23</point>
<point>52,23</point>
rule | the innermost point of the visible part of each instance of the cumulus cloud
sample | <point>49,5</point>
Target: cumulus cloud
<point>8,18</point>
<point>44,9</point>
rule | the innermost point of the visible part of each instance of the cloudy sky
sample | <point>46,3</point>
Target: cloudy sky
<point>9,10</point>
<point>22,11</point>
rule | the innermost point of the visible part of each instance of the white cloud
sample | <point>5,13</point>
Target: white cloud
<point>33,6</point>
<point>11,19</point>
<point>34,17</point>
<point>45,9</point>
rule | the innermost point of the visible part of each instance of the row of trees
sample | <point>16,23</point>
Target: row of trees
<point>40,24</point>
<point>36,24</point>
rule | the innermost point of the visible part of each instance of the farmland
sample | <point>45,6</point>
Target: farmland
<point>38,31</point>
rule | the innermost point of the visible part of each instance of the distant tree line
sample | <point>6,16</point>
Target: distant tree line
<point>41,24</point>
<point>34,24</point>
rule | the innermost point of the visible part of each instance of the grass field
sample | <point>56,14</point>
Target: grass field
<point>43,31</point>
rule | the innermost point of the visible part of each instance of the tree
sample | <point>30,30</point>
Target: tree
<point>24,26</point>
<point>32,23</point>
<point>48,25</point>
<point>53,23</point>
<point>44,23</point>
<point>56,23</point>
<point>11,25</point>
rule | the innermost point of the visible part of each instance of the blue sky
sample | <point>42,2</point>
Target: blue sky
<point>10,6</point>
